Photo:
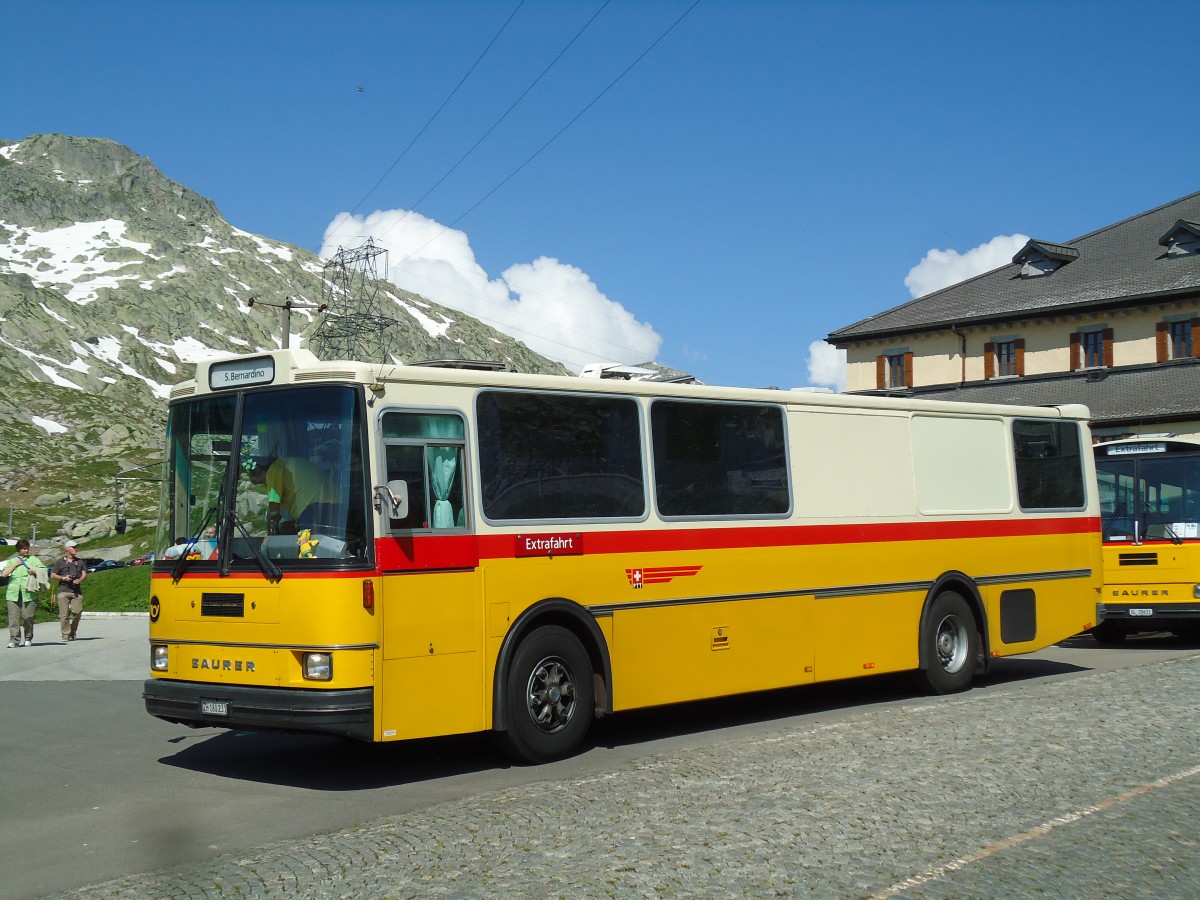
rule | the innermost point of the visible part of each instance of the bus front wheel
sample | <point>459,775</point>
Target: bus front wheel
<point>550,699</point>
<point>949,644</point>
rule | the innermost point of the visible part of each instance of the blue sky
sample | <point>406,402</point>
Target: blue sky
<point>716,185</point>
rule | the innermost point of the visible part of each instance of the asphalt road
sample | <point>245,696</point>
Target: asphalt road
<point>97,789</point>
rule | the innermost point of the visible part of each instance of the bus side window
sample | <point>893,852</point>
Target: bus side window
<point>405,463</point>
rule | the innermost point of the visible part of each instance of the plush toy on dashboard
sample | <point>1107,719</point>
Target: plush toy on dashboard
<point>308,546</point>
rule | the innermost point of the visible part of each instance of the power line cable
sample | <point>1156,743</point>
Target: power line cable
<point>507,327</point>
<point>438,111</point>
<point>576,117</point>
<point>554,137</point>
<point>503,116</point>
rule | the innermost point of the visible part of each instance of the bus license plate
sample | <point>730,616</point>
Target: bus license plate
<point>214,707</point>
<point>1141,611</point>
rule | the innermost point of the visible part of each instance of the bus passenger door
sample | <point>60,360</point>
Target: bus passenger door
<point>432,681</point>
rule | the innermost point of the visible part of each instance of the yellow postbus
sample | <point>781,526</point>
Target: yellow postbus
<point>1150,503</point>
<point>404,551</point>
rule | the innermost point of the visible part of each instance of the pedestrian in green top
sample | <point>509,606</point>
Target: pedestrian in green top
<point>22,604</point>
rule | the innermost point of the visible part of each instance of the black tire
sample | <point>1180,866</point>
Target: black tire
<point>1109,634</point>
<point>949,645</point>
<point>550,696</point>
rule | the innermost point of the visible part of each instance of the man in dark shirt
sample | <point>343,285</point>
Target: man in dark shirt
<point>69,572</point>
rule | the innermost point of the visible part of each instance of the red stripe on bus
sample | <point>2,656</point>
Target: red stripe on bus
<point>457,551</point>
<point>463,551</point>
<point>664,540</point>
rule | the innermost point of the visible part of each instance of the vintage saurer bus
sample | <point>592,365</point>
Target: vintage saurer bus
<point>1150,503</point>
<point>404,551</point>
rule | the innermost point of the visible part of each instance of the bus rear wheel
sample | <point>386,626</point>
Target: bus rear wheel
<point>949,644</point>
<point>550,696</point>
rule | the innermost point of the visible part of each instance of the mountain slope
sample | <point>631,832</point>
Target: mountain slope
<point>113,280</point>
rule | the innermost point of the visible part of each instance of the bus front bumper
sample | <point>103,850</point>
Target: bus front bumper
<point>348,713</point>
<point>1149,616</point>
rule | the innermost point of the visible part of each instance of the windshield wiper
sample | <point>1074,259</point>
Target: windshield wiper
<point>272,571</point>
<point>1147,511</point>
<point>1175,539</point>
<point>1112,517</point>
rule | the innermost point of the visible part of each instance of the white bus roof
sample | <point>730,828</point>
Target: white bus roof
<point>301,366</point>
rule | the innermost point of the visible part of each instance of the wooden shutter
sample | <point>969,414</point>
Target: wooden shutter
<point>908,369</point>
<point>1107,337</point>
<point>1076,351</point>
<point>1195,337</point>
<point>1161,337</point>
<point>989,360</point>
<point>880,372</point>
<point>1019,354</point>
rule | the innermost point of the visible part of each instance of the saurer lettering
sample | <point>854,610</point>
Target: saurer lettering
<point>223,665</point>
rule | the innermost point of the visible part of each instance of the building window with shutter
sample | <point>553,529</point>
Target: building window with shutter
<point>1175,340</point>
<point>1181,340</point>
<point>1092,349</point>
<point>1004,358</point>
<point>900,370</point>
<point>894,370</point>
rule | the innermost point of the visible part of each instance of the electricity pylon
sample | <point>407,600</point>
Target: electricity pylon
<point>354,326</point>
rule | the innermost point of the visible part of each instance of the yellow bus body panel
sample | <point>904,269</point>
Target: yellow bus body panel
<point>433,682</point>
<point>263,646</point>
<point>1168,580</point>
<point>759,618</point>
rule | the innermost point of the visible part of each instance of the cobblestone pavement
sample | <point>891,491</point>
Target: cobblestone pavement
<point>1086,787</point>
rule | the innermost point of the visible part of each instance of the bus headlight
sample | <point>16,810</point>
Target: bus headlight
<point>318,666</point>
<point>1196,591</point>
<point>158,657</point>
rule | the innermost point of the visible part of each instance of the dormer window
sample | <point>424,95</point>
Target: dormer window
<point>1041,258</point>
<point>1182,240</point>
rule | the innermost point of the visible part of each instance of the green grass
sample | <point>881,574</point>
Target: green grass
<point>117,590</point>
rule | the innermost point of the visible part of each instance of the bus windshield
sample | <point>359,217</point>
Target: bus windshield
<point>1150,497</point>
<point>277,473</point>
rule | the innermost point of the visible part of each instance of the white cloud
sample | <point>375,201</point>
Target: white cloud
<point>942,268</point>
<point>827,366</point>
<point>554,308</point>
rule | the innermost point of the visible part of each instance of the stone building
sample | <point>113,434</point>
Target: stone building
<point>1110,319</point>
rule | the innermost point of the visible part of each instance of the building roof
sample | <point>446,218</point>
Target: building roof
<point>1123,262</point>
<point>1130,394</point>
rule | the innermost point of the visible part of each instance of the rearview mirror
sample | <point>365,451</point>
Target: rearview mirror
<point>395,494</point>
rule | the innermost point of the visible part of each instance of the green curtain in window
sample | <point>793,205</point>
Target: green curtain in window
<point>443,463</point>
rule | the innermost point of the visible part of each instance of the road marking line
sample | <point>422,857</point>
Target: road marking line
<point>1037,831</point>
